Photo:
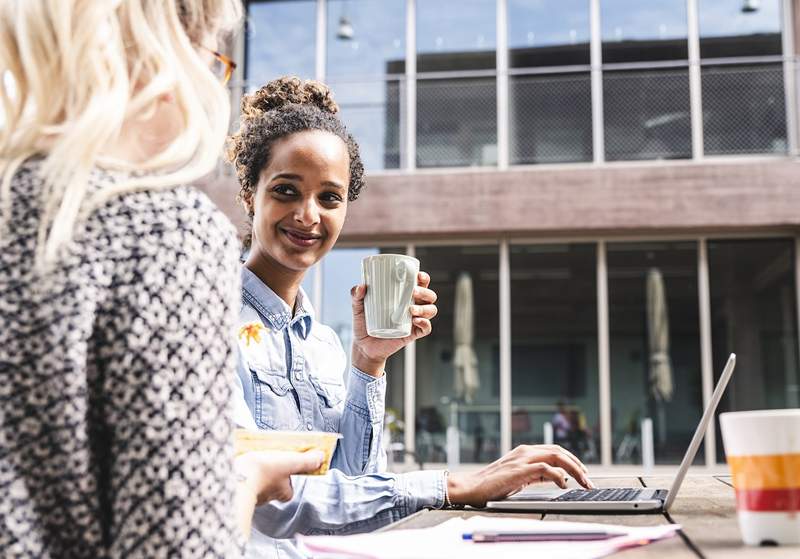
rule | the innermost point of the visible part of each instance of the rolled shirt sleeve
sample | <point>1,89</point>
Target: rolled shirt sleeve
<point>339,504</point>
<point>361,449</point>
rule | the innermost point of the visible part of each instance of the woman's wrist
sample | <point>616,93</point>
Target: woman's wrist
<point>456,491</point>
<point>372,367</point>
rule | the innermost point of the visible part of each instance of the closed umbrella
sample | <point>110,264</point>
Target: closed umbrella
<point>465,362</point>
<point>658,332</point>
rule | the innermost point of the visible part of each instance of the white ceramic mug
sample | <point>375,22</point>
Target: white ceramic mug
<point>763,452</point>
<point>390,281</point>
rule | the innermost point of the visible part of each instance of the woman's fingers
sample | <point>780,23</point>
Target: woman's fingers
<point>424,311</point>
<point>423,279</point>
<point>424,295</point>
<point>571,455</point>
<point>555,474</point>
<point>565,455</point>
<point>556,456</point>
<point>422,327</point>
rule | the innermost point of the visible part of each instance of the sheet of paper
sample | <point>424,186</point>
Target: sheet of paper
<point>445,540</point>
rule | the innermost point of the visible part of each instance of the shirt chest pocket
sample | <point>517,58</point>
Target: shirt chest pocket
<point>275,401</point>
<point>330,395</point>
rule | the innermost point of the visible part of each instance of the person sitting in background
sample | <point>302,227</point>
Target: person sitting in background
<point>298,168</point>
<point>562,427</point>
<point>118,287</point>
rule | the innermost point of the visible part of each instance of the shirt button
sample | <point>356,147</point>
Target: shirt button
<point>309,426</point>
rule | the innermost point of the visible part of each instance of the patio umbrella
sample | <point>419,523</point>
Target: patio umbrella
<point>465,362</point>
<point>658,333</point>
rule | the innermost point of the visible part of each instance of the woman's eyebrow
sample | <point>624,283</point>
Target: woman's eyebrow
<point>287,176</point>
<point>333,184</point>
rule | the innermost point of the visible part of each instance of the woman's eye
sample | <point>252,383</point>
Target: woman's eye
<point>331,197</point>
<point>285,189</point>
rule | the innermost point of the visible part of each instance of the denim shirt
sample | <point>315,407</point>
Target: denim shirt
<point>291,377</point>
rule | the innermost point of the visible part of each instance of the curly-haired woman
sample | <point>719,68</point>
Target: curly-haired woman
<point>298,168</point>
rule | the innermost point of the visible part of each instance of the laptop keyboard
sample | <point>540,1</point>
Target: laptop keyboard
<point>615,494</point>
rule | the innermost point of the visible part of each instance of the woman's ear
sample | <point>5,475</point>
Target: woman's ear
<point>247,202</point>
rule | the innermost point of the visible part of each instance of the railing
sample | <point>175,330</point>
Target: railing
<point>646,114</point>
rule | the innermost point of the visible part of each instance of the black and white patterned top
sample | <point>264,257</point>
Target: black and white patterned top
<point>115,438</point>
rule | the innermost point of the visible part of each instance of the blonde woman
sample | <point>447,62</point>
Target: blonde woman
<point>118,287</point>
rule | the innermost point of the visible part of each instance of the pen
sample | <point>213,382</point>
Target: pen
<point>493,537</point>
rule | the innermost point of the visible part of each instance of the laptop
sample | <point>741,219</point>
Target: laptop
<point>618,499</point>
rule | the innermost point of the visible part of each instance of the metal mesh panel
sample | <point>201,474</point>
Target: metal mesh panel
<point>371,112</point>
<point>646,114</point>
<point>456,122</point>
<point>550,118</point>
<point>744,109</point>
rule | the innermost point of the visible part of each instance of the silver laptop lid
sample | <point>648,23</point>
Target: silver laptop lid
<point>700,432</point>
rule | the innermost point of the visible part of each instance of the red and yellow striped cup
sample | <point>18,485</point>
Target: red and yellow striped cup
<point>763,450</point>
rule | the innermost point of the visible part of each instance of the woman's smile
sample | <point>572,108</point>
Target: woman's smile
<point>302,239</point>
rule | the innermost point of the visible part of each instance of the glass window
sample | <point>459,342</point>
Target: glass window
<point>468,400</point>
<point>550,118</point>
<point>456,35</point>
<point>654,329</point>
<point>371,112</point>
<point>753,314</point>
<point>366,37</point>
<point>548,32</point>
<point>744,109</point>
<point>456,122</point>
<point>739,27</point>
<point>554,346</point>
<point>281,40</point>
<point>341,270</point>
<point>636,31</point>
<point>646,114</point>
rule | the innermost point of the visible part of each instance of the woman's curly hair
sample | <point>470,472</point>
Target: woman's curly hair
<point>283,107</point>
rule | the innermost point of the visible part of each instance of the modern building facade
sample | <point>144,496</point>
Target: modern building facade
<point>617,179</point>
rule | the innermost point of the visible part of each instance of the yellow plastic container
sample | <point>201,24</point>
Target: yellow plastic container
<point>246,440</point>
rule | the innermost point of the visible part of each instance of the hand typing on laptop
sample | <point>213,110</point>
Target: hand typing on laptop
<point>522,466</point>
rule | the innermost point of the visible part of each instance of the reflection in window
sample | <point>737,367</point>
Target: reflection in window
<point>469,398</point>
<point>456,35</point>
<point>280,40</point>
<point>646,114</point>
<point>456,122</point>
<point>753,314</point>
<point>636,31</point>
<point>366,37</point>
<point>554,346</point>
<point>727,28</point>
<point>655,347</point>
<point>341,270</point>
<point>549,33</point>
<point>744,109</point>
<point>371,112</point>
<point>550,118</point>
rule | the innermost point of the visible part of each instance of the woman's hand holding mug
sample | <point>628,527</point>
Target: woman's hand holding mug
<point>400,310</point>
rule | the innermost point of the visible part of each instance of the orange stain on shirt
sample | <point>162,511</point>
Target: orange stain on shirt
<point>251,331</point>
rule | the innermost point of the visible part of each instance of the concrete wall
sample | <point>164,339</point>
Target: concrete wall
<point>653,198</point>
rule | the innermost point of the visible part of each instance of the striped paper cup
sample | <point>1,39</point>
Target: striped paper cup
<point>763,450</point>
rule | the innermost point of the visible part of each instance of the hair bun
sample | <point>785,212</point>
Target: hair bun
<point>288,90</point>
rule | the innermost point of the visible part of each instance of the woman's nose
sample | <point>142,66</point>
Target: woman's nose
<point>307,212</point>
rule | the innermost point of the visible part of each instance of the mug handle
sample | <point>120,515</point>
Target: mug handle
<point>405,274</point>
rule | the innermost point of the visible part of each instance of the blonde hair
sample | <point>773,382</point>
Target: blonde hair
<point>73,71</point>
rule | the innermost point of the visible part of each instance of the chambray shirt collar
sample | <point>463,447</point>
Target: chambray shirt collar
<point>273,309</point>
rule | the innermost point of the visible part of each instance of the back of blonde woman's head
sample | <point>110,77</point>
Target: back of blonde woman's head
<point>73,71</point>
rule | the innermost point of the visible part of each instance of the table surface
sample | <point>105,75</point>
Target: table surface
<point>705,508</point>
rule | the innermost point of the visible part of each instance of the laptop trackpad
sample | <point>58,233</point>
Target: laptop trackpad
<point>538,494</point>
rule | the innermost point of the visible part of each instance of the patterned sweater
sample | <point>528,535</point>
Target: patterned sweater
<point>115,438</point>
